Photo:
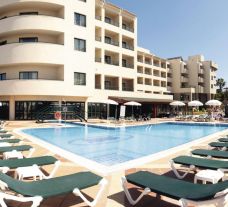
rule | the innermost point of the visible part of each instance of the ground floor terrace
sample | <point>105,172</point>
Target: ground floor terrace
<point>114,195</point>
<point>33,107</point>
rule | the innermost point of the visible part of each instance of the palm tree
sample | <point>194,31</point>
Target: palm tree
<point>220,82</point>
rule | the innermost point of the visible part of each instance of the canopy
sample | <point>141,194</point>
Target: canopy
<point>213,103</point>
<point>109,101</point>
<point>133,103</point>
<point>195,103</point>
<point>177,103</point>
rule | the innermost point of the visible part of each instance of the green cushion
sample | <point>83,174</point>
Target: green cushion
<point>175,188</point>
<point>201,162</point>
<point>223,139</point>
<point>6,135</point>
<point>218,144</point>
<point>212,153</point>
<point>3,131</point>
<point>10,140</point>
<point>53,186</point>
<point>40,161</point>
<point>18,148</point>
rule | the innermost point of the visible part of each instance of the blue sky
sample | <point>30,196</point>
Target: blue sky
<point>172,28</point>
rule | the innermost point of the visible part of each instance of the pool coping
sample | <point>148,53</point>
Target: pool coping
<point>107,170</point>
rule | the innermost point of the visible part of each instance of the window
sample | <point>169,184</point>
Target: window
<point>79,79</point>
<point>80,45</point>
<point>28,39</point>
<point>108,40</point>
<point>28,13</point>
<point>2,76</point>
<point>108,59</point>
<point>124,63</point>
<point>108,20</point>
<point>28,75</point>
<point>80,19</point>
<point>212,86</point>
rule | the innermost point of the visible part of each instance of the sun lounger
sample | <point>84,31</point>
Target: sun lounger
<point>223,145</point>
<point>12,141</point>
<point>36,191</point>
<point>20,148</point>
<point>2,131</point>
<point>6,136</point>
<point>223,139</point>
<point>210,153</point>
<point>195,162</point>
<point>6,165</point>
<point>187,193</point>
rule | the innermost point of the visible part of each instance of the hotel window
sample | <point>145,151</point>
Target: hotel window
<point>2,76</point>
<point>28,75</point>
<point>79,79</point>
<point>80,19</point>
<point>212,86</point>
<point>28,39</point>
<point>80,45</point>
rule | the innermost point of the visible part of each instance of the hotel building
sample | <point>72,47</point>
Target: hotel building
<point>80,52</point>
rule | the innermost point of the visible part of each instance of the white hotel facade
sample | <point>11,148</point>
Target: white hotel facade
<point>81,51</point>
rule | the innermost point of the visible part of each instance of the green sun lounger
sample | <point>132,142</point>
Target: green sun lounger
<point>4,136</point>
<point>223,139</point>
<point>3,131</point>
<point>20,148</point>
<point>36,191</point>
<point>187,193</point>
<point>219,144</point>
<point>13,141</point>
<point>40,161</point>
<point>195,162</point>
<point>210,153</point>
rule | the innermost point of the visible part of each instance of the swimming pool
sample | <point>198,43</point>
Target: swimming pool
<point>112,146</point>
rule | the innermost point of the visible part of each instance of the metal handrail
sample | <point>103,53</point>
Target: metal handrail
<point>18,15</point>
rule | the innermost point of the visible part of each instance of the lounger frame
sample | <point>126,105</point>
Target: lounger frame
<point>220,197</point>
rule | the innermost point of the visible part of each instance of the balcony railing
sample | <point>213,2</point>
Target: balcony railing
<point>125,27</point>
<point>128,47</point>
<point>98,39</point>
<point>128,65</point>
<point>97,86</point>
<point>140,60</point>
<point>35,42</point>
<point>97,17</point>
<point>114,88</point>
<point>97,60</point>
<point>110,21</point>
<point>156,64</point>
<point>156,74</point>
<point>126,88</point>
<point>116,63</point>
<point>111,42</point>
<point>22,15</point>
<point>148,62</point>
<point>148,72</point>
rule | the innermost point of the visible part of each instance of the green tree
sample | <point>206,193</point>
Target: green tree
<point>220,82</point>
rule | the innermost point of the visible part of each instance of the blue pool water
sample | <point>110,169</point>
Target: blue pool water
<point>114,146</point>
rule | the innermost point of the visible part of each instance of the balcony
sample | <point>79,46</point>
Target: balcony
<point>32,53</point>
<point>98,39</point>
<point>128,65</point>
<point>111,21</point>
<point>139,69</point>
<point>128,47</point>
<point>111,42</point>
<point>32,22</point>
<point>184,79</point>
<point>148,71</point>
<point>127,84</point>
<point>200,80</point>
<point>111,83</point>
<point>97,17</point>
<point>128,28</point>
<point>184,71</point>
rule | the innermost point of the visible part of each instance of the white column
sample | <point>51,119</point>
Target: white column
<point>12,108</point>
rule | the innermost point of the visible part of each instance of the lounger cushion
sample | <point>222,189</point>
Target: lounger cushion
<point>10,140</point>
<point>223,139</point>
<point>175,188</point>
<point>18,148</point>
<point>6,135</point>
<point>53,186</point>
<point>40,161</point>
<point>218,144</point>
<point>201,162</point>
<point>212,153</point>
